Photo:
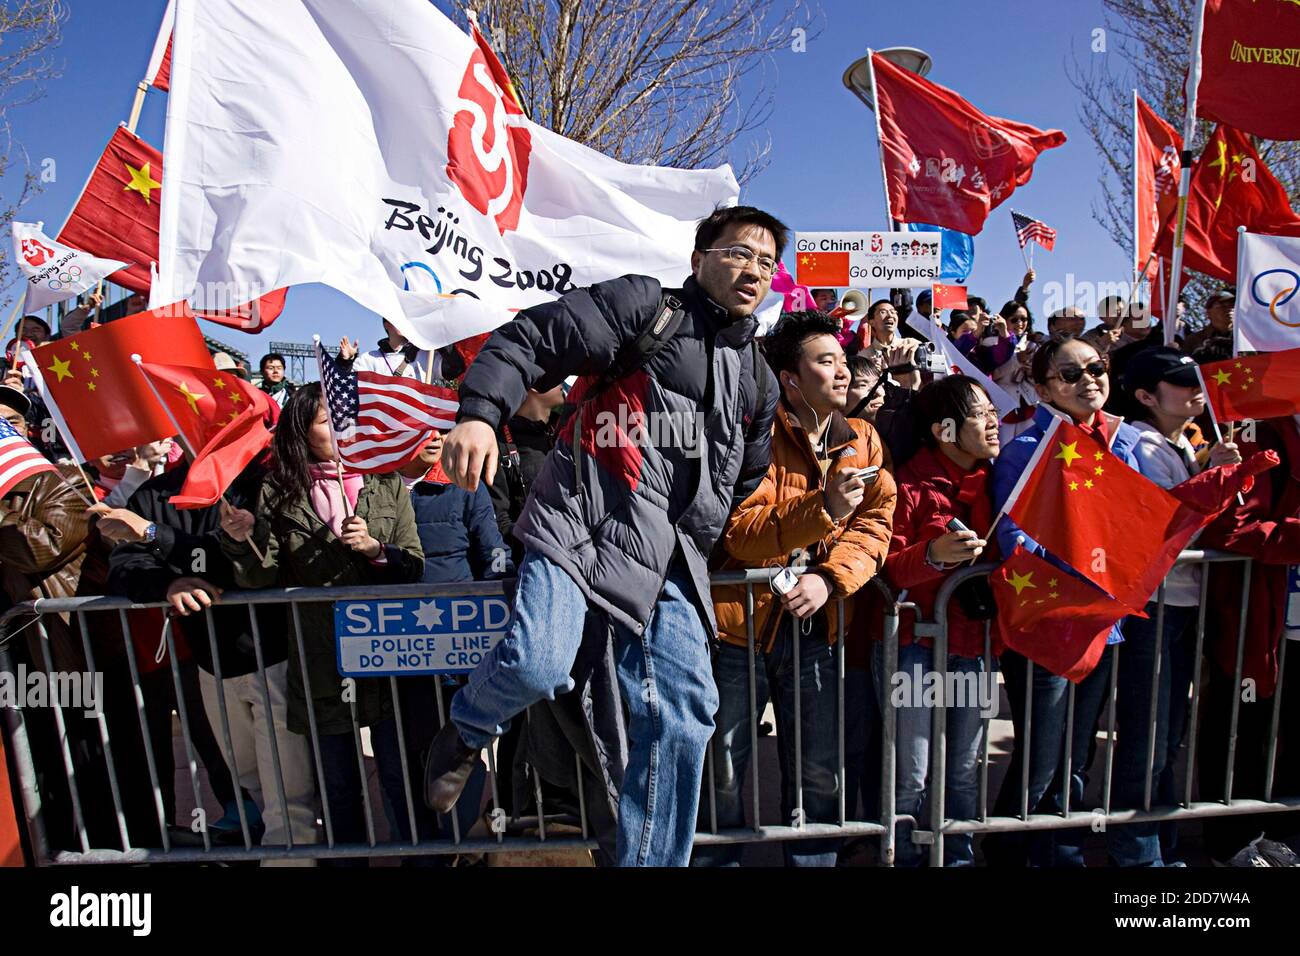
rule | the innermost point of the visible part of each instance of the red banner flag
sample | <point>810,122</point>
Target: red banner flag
<point>219,462</point>
<point>1048,615</point>
<point>1250,66</point>
<point>92,388</point>
<point>1157,167</point>
<point>1114,526</point>
<point>1255,386</point>
<point>1230,187</point>
<point>947,163</point>
<point>203,400</point>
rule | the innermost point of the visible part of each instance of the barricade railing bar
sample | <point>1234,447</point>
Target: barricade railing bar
<point>90,750</point>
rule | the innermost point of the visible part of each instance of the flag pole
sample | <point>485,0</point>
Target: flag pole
<point>880,139</point>
<point>1136,253</point>
<point>1241,254</point>
<point>185,444</point>
<point>1023,255</point>
<point>1024,475</point>
<point>1185,174</point>
<point>334,437</point>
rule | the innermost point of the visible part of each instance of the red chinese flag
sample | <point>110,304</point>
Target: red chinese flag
<point>117,214</point>
<point>948,296</point>
<point>947,163</point>
<point>219,462</point>
<point>1250,66</point>
<point>1158,147</point>
<point>117,218</point>
<point>1115,527</point>
<point>203,400</point>
<point>822,269</point>
<point>1255,386</point>
<point>96,394</point>
<point>1230,187</point>
<point>1048,615</point>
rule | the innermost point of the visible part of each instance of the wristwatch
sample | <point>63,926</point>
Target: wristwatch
<point>150,533</point>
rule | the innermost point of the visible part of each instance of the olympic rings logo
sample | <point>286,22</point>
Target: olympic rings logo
<point>1280,297</point>
<point>72,274</point>
<point>406,280</point>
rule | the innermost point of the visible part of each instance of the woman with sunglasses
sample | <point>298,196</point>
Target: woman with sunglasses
<point>1072,381</point>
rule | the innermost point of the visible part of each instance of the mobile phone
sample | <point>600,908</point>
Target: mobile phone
<point>955,525</point>
<point>868,475</point>
<point>785,581</point>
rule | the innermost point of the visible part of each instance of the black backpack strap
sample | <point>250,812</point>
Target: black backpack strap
<point>760,380</point>
<point>635,354</point>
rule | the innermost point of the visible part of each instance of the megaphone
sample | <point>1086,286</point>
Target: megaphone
<point>853,305</point>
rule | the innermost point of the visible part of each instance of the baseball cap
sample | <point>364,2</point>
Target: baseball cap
<point>1223,295</point>
<point>15,399</point>
<point>923,296</point>
<point>1149,367</point>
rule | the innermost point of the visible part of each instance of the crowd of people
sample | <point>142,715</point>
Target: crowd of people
<point>846,450</point>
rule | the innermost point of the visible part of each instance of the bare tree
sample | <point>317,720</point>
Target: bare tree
<point>650,81</point>
<point>1147,48</point>
<point>29,30</point>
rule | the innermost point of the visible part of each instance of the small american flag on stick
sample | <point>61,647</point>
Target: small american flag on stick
<point>380,422</point>
<point>1033,230</point>
<point>18,459</point>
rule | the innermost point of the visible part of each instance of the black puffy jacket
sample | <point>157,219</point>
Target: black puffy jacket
<point>614,514</point>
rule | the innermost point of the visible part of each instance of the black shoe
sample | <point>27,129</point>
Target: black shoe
<point>447,769</point>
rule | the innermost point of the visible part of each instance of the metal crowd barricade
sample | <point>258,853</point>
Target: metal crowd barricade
<point>1187,808</point>
<point>507,835</point>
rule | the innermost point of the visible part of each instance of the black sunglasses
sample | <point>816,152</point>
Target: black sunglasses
<point>1071,374</point>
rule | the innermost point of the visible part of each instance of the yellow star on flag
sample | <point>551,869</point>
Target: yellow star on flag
<point>1052,583</point>
<point>1068,453</point>
<point>141,181</point>
<point>60,368</point>
<point>1074,486</point>
<point>1088,483</point>
<point>75,347</point>
<point>86,356</point>
<point>1097,470</point>
<point>94,373</point>
<point>191,397</point>
<point>1222,378</point>
<point>1054,595</point>
<point>91,386</point>
<point>1022,581</point>
<point>219,384</point>
<point>236,397</point>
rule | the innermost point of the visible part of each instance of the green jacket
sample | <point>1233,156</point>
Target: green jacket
<point>301,551</point>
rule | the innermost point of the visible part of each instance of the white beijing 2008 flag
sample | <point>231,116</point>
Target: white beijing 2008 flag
<point>1267,317</point>
<point>372,146</point>
<point>52,271</point>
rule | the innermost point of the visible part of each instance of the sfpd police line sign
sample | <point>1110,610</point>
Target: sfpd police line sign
<point>417,636</point>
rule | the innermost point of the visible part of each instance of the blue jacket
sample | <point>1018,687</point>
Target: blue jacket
<point>459,534</point>
<point>1010,465</point>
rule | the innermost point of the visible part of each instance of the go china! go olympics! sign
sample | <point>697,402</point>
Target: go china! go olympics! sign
<point>867,260</point>
<point>406,638</point>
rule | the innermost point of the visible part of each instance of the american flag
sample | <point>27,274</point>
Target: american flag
<point>380,421</point>
<point>1032,230</point>
<point>18,459</point>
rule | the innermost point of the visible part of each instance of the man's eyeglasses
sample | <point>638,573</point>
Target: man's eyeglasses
<point>744,254</point>
<point>989,413</point>
<point>1072,374</point>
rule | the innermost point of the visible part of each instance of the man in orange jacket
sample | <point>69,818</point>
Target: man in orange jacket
<point>818,508</point>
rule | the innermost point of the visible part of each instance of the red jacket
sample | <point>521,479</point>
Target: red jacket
<point>928,487</point>
<point>1267,528</point>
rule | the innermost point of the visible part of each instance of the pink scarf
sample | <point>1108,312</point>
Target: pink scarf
<point>326,499</point>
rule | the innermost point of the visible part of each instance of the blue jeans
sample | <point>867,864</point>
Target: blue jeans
<point>1046,756</point>
<point>667,686</point>
<point>1138,844</point>
<point>963,736</point>
<point>774,676</point>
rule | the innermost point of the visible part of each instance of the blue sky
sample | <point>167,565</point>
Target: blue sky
<point>1006,56</point>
